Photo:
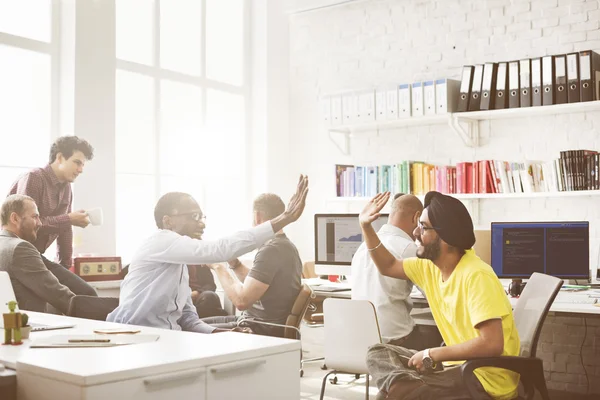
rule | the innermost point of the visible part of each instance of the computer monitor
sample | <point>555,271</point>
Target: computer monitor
<point>560,249</point>
<point>337,237</point>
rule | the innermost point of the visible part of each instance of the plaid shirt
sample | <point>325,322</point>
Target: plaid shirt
<point>54,201</point>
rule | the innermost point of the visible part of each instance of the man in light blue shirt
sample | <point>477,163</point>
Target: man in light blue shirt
<point>155,291</point>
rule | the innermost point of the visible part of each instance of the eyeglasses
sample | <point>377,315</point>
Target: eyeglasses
<point>424,228</point>
<point>196,216</point>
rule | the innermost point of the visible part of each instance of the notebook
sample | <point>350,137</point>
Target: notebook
<point>7,294</point>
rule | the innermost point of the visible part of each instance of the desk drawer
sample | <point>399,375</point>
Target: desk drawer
<point>175,385</point>
<point>275,377</point>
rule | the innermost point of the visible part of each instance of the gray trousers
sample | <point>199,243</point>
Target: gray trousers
<point>388,364</point>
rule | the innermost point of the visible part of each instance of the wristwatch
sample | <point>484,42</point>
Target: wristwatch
<point>428,363</point>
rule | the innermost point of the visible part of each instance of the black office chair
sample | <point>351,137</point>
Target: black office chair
<point>530,312</point>
<point>90,307</point>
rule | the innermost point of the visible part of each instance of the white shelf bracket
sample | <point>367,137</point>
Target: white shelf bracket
<point>466,129</point>
<point>341,140</point>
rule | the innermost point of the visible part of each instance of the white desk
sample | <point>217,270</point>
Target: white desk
<point>178,365</point>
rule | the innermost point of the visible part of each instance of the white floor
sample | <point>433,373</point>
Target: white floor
<point>347,388</point>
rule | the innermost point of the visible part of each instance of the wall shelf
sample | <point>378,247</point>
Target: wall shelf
<point>464,124</point>
<point>490,196</point>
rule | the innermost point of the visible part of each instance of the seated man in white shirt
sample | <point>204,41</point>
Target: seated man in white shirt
<point>391,297</point>
<point>156,290</point>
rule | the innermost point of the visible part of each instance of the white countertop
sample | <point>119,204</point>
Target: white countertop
<point>174,351</point>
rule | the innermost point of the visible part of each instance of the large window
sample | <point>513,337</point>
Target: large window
<point>181,93</point>
<point>28,56</point>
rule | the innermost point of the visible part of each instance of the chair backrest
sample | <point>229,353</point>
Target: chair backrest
<point>92,307</point>
<point>298,310</point>
<point>351,327</point>
<point>308,270</point>
<point>532,307</point>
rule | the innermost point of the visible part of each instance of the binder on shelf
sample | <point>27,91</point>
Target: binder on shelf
<point>525,82</point>
<point>560,79</point>
<point>488,86</point>
<point>548,80</point>
<point>513,85</point>
<point>336,111</point>
<point>404,99</point>
<point>501,86</point>
<point>326,110</point>
<point>429,97</point>
<point>366,106</point>
<point>380,104</point>
<point>446,95</point>
<point>475,101</point>
<point>417,99</point>
<point>573,92</point>
<point>348,109</point>
<point>536,81</point>
<point>391,101</point>
<point>589,65</point>
<point>465,88</point>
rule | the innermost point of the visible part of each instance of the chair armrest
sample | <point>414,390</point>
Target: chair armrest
<point>253,321</point>
<point>528,367</point>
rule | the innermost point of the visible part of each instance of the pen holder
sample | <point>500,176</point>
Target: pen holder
<point>516,287</point>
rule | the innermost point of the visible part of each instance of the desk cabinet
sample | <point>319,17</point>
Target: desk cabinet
<point>268,377</point>
<point>261,378</point>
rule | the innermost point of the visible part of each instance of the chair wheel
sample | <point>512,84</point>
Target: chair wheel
<point>334,380</point>
<point>323,367</point>
<point>301,373</point>
<point>357,376</point>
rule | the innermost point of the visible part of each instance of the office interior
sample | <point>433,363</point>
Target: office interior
<point>227,99</point>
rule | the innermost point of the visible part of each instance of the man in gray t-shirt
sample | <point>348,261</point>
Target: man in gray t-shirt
<point>267,291</point>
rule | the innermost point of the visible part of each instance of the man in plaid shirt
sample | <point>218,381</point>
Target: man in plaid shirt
<point>50,187</point>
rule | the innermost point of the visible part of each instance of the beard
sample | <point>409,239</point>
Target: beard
<point>28,234</point>
<point>431,251</point>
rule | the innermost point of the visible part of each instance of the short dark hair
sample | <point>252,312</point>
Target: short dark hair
<point>167,204</point>
<point>269,204</point>
<point>67,145</point>
<point>13,203</point>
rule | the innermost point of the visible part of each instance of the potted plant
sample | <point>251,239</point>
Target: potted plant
<point>25,328</point>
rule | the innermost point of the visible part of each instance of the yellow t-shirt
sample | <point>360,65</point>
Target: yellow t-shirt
<point>473,294</point>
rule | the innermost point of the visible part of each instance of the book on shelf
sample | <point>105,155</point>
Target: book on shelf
<point>574,170</point>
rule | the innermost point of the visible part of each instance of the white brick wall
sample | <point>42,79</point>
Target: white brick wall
<point>370,43</point>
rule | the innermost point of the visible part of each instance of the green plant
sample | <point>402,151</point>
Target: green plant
<point>24,319</point>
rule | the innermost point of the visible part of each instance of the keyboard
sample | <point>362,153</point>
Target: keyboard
<point>576,300</point>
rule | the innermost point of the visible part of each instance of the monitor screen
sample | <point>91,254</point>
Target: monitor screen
<point>338,236</point>
<point>560,249</point>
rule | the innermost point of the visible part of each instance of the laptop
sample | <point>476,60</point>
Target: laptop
<point>8,294</point>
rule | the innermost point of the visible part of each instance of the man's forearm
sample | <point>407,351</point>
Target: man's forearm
<point>280,222</point>
<point>239,269</point>
<point>474,348</point>
<point>381,256</point>
<point>233,288</point>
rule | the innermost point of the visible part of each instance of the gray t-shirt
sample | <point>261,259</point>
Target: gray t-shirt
<point>277,264</point>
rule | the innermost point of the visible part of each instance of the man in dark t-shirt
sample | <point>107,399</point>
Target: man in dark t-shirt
<point>267,291</point>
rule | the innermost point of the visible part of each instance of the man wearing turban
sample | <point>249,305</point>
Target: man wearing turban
<point>467,301</point>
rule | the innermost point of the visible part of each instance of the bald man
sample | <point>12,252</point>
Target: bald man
<point>391,297</point>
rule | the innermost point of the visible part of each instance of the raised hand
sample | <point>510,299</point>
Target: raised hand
<point>298,201</point>
<point>371,211</point>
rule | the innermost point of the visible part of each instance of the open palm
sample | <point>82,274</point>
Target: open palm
<point>371,211</point>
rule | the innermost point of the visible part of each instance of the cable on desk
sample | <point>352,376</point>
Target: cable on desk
<point>587,380</point>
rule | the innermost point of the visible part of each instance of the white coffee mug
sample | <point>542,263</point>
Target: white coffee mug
<point>95,216</point>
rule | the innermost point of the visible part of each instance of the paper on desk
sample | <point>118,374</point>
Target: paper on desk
<point>115,340</point>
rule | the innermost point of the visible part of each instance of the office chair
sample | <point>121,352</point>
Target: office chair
<point>294,319</point>
<point>529,313</point>
<point>91,307</point>
<point>351,327</point>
